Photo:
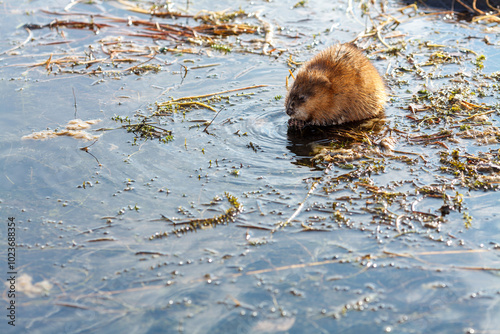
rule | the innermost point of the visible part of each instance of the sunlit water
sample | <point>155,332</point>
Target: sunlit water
<point>93,243</point>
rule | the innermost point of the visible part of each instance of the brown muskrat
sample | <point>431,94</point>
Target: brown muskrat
<point>336,86</point>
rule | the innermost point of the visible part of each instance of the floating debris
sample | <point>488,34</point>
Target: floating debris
<point>75,129</point>
<point>24,284</point>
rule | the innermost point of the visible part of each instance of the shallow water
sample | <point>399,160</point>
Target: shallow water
<point>356,273</point>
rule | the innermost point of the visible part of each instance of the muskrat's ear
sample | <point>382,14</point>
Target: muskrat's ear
<point>322,80</point>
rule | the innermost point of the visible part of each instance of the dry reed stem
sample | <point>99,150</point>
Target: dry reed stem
<point>30,36</point>
<point>129,6</point>
<point>489,18</point>
<point>475,115</point>
<point>218,93</point>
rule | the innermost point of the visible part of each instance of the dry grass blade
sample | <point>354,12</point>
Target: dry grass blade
<point>152,11</point>
<point>217,93</point>
<point>30,36</point>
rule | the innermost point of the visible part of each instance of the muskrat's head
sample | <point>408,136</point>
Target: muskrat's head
<point>308,96</point>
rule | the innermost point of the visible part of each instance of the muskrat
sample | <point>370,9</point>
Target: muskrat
<point>336,86</point>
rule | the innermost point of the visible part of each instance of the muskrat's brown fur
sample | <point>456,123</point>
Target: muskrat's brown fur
<point>336,86</point>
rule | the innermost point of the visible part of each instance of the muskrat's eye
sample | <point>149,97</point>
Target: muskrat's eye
<point>301,98</point>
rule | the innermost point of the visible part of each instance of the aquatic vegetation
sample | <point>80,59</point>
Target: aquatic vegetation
<point>145,128</point>
<point>194,225</point>
<point>301,3</point>
<point>452,104</point>
<point>446,108</point>
<point>339,223</point>
<point>106,55</point>
<point>221,47</point>
<point>211,17</point>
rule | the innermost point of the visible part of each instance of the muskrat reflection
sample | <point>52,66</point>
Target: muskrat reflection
<point>308,141</point>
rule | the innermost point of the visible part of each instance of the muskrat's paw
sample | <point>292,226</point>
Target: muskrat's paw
<point>296,124</point>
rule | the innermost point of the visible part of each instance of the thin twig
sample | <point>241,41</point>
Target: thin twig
<point>218,93</point>
<point>217,114</point>
<point>269,33</point>
<point>86,149</point>
<point>301,206</point>
<point>30,35</point>
<point>475,115</point>
<point>74,99</point>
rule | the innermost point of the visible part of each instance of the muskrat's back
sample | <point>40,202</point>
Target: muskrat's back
<point>336,86</point>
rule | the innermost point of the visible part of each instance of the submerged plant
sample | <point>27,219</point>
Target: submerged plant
<point>144,129</point>
<point>194,225</point>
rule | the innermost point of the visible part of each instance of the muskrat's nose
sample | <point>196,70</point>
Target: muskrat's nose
<point>290,110</point>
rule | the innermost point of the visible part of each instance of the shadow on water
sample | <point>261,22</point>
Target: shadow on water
<point>305,142</point>
<point>471,6</point>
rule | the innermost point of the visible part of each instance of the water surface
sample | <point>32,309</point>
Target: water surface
<point>352,259</point>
